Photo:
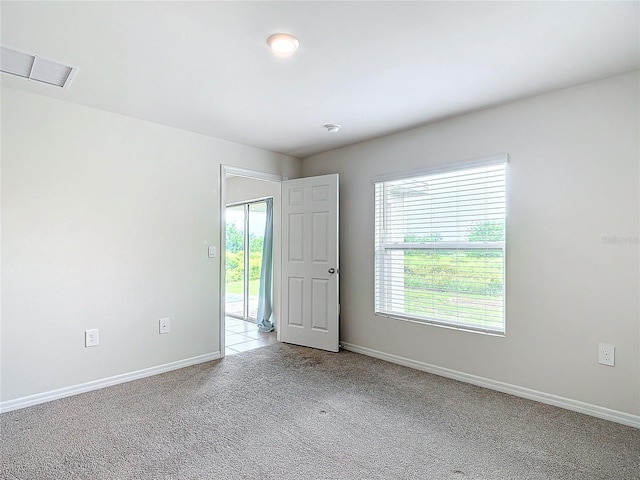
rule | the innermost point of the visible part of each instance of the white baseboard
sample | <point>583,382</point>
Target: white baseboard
<point>38,398</point>
<point>567,403</point>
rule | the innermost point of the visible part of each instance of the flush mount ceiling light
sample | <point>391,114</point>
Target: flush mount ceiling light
<point>283,44</point>
<point>332,128</point>
<point>36,68</point>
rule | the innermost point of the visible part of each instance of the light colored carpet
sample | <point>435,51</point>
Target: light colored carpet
<point>285,412</point>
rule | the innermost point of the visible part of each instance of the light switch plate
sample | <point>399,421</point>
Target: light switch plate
<point>91,337</point>
<point>165,325</point>
<point>212,252</point>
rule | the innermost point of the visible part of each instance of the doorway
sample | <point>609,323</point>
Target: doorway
<point>305,250</point>
<point>244,196</point>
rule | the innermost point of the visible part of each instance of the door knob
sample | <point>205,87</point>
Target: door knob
<point>332,271</point>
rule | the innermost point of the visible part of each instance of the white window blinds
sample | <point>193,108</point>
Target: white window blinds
<point>440,248</point>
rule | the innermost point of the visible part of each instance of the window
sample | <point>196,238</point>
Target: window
<point>245,226</point>
<point>440,247</point>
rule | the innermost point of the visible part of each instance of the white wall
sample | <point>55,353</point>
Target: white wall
<point>105,224</point>
<point>573,181</point>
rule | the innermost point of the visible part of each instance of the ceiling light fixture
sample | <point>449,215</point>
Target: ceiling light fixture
<point>332,128</point>
<point>283,44</point>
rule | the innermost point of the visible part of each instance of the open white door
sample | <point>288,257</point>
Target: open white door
<point>310,262</point>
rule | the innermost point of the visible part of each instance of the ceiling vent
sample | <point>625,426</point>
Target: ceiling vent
<point>35,68</point>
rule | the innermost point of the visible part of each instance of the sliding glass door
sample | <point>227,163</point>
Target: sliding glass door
<point>245,226</point>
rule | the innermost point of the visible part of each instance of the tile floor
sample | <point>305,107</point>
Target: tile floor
<point>241,336</point>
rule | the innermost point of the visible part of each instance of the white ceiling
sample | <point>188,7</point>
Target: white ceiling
<point>373,67</point>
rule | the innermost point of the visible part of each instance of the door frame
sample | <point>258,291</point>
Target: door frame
<point>226,170</point>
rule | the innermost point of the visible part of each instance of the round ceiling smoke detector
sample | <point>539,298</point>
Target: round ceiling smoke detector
<point>283,44</point>
<point>332,128</point>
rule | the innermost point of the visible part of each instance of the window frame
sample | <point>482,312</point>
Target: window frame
<point>379,276</point>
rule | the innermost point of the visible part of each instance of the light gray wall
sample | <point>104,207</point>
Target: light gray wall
<point>572,184</point>
<point>244,189</point>
<point>105,224</point>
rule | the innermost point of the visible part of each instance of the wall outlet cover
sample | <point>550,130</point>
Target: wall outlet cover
<point>606,354</point>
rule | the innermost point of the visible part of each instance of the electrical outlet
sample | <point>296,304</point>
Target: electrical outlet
<point>91,337</point>
<point>165,325</point>
<point>606,354</point>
